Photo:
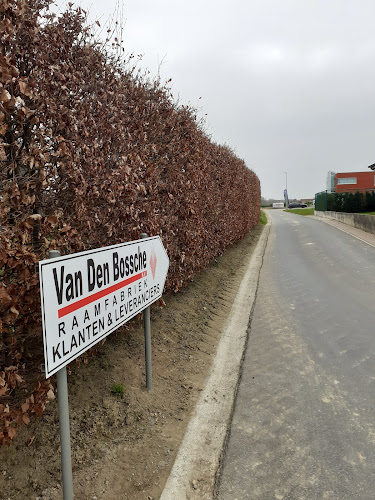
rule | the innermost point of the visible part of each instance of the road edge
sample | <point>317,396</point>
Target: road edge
<point>194,473</point>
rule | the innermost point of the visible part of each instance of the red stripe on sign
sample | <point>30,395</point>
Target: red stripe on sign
<point>98,295</point>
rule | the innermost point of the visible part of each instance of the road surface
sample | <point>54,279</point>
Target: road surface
<point>304,420</point>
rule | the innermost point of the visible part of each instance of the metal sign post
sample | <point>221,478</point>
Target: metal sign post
<point>63,404</point>
<point>66,455</point>
<point>85,297</point>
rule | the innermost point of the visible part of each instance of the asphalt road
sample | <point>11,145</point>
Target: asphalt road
<point>304,419</point>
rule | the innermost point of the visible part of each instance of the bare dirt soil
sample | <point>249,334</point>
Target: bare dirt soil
<point>124,447</point>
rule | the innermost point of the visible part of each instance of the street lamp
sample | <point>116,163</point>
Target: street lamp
<point>286,181</point>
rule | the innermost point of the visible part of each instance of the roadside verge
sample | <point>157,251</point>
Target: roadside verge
<point>124,446</point>
<point>198,459</point>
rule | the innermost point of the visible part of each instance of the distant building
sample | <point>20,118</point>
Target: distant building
<point>347,182</point>
<point>308,201</point>
<point>331,182</point>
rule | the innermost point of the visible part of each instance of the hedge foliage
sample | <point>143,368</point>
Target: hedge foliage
<point>351,202</point>
<point>92,154</point>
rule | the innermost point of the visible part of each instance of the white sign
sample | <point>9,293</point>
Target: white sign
<point>87,295</point>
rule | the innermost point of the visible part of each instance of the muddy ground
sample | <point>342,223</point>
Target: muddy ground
<point>124,447</point>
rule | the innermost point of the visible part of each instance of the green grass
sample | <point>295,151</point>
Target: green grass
<point>367,213</point>
<point>301,211</point>
<point>263,218</point>
<point>118,390</point>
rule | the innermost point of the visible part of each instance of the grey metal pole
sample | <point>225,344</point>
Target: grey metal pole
<point>63,404</point>
<point>147,329</point>
<point>66,456</point>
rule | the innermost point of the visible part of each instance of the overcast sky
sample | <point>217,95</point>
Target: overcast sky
<point>288,84</point>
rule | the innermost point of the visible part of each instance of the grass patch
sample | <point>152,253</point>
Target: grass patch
<point>118,390</point>
<point>301,211</point>
<point>367,213</point>
<point>263,217</point>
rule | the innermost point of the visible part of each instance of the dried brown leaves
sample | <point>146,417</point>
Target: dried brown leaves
<point>91,154</point>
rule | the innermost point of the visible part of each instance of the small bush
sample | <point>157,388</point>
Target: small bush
<point>118,390</point>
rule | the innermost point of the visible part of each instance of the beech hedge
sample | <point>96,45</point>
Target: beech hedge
<point>92,153</point>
